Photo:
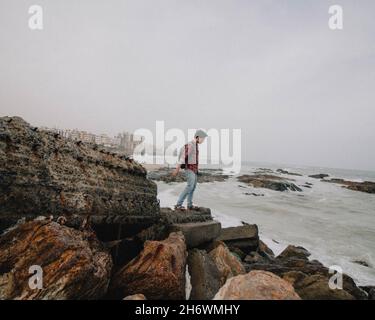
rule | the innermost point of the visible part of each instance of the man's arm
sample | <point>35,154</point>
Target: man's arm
<point>181,160</point>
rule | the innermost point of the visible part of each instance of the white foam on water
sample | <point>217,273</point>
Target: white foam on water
<point>335,224</point>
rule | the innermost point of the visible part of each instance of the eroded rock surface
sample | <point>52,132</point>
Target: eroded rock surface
<point>74,264</point>
<point>43,173</point>
<point>158,271</point>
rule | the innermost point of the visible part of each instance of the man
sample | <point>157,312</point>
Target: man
<point>188,160</point>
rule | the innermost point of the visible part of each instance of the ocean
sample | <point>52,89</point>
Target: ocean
<point>335,224</point>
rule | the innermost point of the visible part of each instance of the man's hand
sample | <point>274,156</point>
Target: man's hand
<point>175,172</point>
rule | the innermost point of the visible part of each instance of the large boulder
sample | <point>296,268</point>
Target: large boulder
<point>44,173</point>
<point>316,287</point>
<point>309,278</point>
<point>158,271</point>
<point>197,225</point>
<point>227,264</point>
<point>74,264</point>
<point>205,276</point>
<point>243,237</point>
<point>257,285</point>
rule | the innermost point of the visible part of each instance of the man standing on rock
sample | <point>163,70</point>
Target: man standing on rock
<point>188,160</point>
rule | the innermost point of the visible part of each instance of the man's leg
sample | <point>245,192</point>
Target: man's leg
<point>190,185</point>
<point>191,193</point>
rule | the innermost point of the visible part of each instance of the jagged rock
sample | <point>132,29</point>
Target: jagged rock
<point>370,290</point>
<point>269,181</point>
<point>366,186</point>
<point>294,252</point>
<point>74,264</point>
<point>319,176</point>
<point>257,285</point>
<point>316,287</point>
<point>205,276</point>
<point>197,226</point>
<point>255,257</point>
<point>43,173</point>
<point>158,271</point>
<point>264,250</point>
<point>244,237</point>
<point>299,270</point>
<point>287,172</point>
<point>138,296</point>
<point>198,233</point>
<point>227,264</point>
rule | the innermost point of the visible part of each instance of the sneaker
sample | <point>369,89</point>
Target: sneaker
<point>193,208</point>
<point>180,208</point>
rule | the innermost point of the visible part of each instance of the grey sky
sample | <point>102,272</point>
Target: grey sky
<point>300,92</point>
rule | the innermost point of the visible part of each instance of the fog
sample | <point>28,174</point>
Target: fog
<point>300,92</point>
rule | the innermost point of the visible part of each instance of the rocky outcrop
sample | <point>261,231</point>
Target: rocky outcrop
<point>44,173</point>
<point>74,264</point>
<point>288,173</point>
<point>205,276</point>
<point>268,181</point>
<point>319,176</point>
<point>257,285</point>
<point>227,264</point>
<point>158,271</point>
<point>366,186</point>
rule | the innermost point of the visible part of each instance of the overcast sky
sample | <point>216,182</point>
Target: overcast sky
<point>300,92</point>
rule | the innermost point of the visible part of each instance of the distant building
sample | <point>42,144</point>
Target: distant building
<point>123,143</point>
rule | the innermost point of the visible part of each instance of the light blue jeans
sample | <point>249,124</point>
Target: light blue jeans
<point>188,192</point>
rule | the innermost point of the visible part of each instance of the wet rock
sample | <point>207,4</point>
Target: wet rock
<point>204,175</point>
<point>205,276</point>
<point>227,264</point>
<point>298,268</point>
<point>257,285</point>
<point>366,186</point>
<point>370,290</point>
<point>254,194</point>
<point>268,181</point>
<point>158,271</point>
<point>255,257</point>
<point>264,250</point>
<point>138,296</point>
<point>244,237</point>
<point>74,264</point>
<point>288,173</point>
<point>362,263</point>
<point>315,287</point>
<point>43,173</point>
<point>319,176</point>
<point>294,252</point>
